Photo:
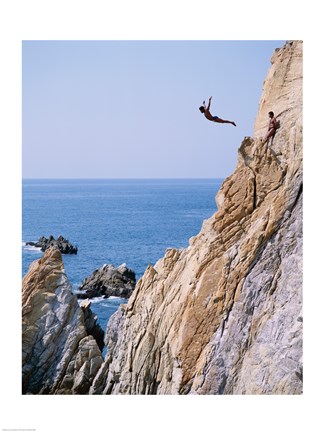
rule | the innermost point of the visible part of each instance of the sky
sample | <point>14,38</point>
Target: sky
<point>129,109</point>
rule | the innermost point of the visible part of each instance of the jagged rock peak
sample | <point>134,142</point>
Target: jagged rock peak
<point>59,356</point>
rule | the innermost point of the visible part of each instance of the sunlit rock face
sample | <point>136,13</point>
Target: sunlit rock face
<point>58,354</point>
<point>224,316</point>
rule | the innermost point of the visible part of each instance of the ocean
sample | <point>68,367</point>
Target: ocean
<point>114,222</point>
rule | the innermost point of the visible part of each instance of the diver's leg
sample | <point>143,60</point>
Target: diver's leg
<point>219,120</point>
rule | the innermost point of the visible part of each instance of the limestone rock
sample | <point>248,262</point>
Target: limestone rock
<point>224,315</point>
<point>108,281</point>
<point>113,337</point>
<point>58,355</point>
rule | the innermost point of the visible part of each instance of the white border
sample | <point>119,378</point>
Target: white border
<point>102,20</point>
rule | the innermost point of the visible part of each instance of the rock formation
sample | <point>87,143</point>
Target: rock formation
<point>63,244</point>
<point>91,324</point>
<point>59,355</point>
<point>224,316</point>
<point>108,281</point>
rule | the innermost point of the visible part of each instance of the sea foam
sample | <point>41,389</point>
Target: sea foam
<point>29,248</point>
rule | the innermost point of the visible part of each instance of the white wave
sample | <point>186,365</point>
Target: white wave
<point>109,305</point>
<point>29,248</point>
<point>106,302</point>
<point>92,300</point>
<point>115,298</point>
<point>97,299</point>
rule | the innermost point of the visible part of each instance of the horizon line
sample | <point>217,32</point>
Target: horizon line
<point>122,178</point>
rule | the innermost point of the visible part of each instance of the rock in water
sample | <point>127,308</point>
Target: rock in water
<point>59,355</point>
<point>63,244</point>
<point>224,315</point>
<point>108,281</point>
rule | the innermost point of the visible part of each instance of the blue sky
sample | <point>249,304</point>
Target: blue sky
<point>129,109</point>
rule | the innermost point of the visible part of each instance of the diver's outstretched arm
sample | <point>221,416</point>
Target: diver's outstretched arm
<point>209,102</point>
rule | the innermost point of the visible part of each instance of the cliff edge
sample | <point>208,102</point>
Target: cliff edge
<point>224,316</point>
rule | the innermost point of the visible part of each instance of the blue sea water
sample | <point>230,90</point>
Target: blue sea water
<point>114,221</point>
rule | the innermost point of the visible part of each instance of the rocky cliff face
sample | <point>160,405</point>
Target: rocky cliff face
<point>59,354</point>
<point>224,316</point>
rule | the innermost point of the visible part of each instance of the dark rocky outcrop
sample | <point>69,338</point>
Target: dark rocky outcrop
<point>91,324</point>
<point>62,243</point>
<point>108,281</point>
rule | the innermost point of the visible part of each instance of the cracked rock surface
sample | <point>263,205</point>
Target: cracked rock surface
<point>58,354</point>
<point>224,316</point>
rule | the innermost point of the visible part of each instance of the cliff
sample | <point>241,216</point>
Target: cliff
<point>224,316</point>
<point>59,353</point>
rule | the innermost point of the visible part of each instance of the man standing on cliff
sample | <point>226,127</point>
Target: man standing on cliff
<point>208,115</point>
<point>272,127</point>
